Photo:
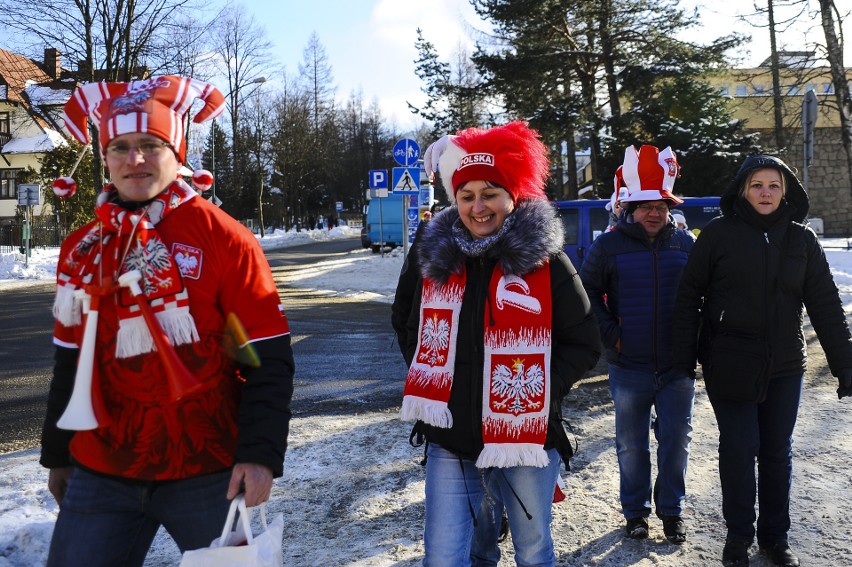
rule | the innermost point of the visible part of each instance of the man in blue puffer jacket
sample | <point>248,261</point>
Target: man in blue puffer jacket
<point>631,275</point>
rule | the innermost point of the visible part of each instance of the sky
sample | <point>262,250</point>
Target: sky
<point>370,43</point>
<point>352,493</point>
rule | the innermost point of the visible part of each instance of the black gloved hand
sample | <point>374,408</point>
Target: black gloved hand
<point>845,379</point>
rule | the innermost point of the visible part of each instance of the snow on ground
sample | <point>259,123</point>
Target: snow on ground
<point>353,491</point>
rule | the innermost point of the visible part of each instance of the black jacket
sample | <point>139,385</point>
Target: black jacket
<point>535,237</point>
<point>747,279</point>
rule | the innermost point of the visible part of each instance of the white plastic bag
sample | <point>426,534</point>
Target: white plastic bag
<point>237,546</point>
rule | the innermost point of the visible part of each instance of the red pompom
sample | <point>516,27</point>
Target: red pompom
<point>202,180</point>
<point>64,187</point>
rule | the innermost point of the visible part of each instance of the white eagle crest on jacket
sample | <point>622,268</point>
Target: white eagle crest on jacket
<point>517,387</point>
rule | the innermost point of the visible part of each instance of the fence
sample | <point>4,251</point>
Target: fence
<point>44,234</point>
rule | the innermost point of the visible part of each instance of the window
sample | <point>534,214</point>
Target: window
<point>758,90</point>
<point>827,88</point>
<point>571,224</point>
<point>741,90</point>
<point>725,91</point>
<point>5,131</point>
<point>9,183</point>
<point>793,90</point>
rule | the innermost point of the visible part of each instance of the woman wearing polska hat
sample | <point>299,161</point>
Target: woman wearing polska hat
<point>495,326</point>
<point>739,313</point>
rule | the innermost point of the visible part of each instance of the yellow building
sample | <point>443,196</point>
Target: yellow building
<point>751,99</point>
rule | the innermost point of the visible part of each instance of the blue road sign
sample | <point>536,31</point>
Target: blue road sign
<point>378,179</point>
<point>406,181</point>
<point>406,152</point>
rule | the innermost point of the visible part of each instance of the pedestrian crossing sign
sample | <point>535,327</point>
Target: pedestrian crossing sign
<point>406,180</point>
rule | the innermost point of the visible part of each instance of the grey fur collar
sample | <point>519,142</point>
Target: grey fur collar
<point>536,235</point>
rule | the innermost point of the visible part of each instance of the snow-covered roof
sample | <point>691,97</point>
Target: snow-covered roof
<point>45,96</point>
<point>46,142</point>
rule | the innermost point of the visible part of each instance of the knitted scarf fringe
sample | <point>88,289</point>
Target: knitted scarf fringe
<point>506,455</point>
<point>433,412</point>
<point>134,337</point>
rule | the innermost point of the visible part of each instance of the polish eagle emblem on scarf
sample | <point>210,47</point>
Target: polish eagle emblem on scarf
<point>516,385</point>
<point>435,336</point>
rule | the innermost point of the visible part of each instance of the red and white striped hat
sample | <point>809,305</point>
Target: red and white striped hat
<point>155,106</point>
<point>650,174</point>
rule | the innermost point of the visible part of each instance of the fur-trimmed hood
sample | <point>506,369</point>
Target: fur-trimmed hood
<point>536,235</point>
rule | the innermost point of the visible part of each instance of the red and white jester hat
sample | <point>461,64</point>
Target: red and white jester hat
<point>620,191</point>
<point>650,174</point>
<point>512,156</point>
<point>155,106</point>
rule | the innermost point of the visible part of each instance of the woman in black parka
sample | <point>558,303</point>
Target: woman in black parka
<point>740,299</point>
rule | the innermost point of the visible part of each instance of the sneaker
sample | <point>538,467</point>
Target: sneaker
<point>735,553</point>
<point>674,528</point>
<point>637,528</point>
<point>780,554</point>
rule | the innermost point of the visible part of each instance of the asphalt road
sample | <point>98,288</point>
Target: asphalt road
<point>346,357</point>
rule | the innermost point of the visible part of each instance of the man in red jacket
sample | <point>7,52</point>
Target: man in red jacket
<point>166,306</point>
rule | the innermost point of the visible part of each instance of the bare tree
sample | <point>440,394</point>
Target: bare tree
<point>111,40</point>
<point>317,79</point>
<point>244,59</point>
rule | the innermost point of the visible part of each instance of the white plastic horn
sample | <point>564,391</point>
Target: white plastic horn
<point>79,415</point>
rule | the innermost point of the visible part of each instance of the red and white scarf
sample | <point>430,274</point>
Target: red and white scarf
<point>516,372</point>
<point>122,241</point>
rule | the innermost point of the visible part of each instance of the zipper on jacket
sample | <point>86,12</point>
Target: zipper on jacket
<point>478,318</point>
<point>654,337</point>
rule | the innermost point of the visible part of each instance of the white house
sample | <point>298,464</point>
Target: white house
<point>32,96</point>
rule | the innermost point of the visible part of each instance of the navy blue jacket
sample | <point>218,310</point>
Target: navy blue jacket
<point>632,283</point>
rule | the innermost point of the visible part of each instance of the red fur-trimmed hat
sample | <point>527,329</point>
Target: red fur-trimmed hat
<point>155,106</point>
<point>650,174</point>
<point>511,156</point>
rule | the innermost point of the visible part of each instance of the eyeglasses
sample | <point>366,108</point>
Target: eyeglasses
<point>147,149</point>
<point>662,209</point>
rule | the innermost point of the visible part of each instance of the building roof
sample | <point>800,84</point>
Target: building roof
<point>27,83</point>
<point>795,59</point>
<point>16,71</point>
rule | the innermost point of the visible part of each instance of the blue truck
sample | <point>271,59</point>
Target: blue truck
<point>585,219</point>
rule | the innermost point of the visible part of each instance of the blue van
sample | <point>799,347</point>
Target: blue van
<point>585,219</point>
<point>384,221</point>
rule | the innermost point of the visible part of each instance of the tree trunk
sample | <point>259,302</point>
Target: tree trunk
<point>777,104</point>
<point>838,78</point>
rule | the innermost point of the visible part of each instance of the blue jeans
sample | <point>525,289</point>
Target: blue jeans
<point>456,491</point>
<point>763,431</point>
<point>635,393</point>
<point>107,523</point>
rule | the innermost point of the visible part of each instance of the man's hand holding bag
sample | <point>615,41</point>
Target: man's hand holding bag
<point>237,546</point>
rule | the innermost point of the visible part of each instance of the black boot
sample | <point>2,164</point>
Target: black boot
<point>637,528</point>
<point>735,553</point>
<point>674,528</point>
<point>780,554</point>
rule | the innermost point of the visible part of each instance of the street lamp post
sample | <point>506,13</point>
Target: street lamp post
<point>259,164</point>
